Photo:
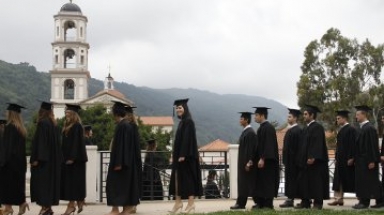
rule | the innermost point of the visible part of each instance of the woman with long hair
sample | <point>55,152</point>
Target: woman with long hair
<point>123,179</point>
<point>186,174</point>
<point>73,171</point>
<point>46,159</point>
<point>13,162</point>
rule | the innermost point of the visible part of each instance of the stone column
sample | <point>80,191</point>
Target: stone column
<point>233,151</point>
<point>92,170</point>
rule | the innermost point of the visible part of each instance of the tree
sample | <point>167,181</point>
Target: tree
<point>336,70</point>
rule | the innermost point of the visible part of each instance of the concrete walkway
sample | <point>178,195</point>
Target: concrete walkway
<point>162,207</point>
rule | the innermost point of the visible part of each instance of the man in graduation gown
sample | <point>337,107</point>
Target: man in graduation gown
<point>367,160</point>
<point>245,164</point>
<point>313,178</point>
<point>267,158</point>
<point>380,201</point>
<point>122,180</point>
<point>290,150</point>
<point>344,177</point>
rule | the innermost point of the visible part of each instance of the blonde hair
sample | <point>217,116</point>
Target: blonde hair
<point>70,121</point>
<point>46,114</point>
<point>15,119</point>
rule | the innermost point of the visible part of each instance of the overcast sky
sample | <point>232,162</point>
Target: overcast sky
<point>252,47</point>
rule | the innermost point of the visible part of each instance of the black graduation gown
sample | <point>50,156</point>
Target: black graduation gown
<point>367,183</point>
<point>188,172</point>
<point>382,163</point>
<point>122,186</point>
<point>73,176</point>
<point>152,185</point>
<point>267,178</point>
<point>211,191</point>
<point>345,150</point>
<point>13,162</point>
<point>292,141</point>
<point>247,149</point>
<point>87,141</point>
<point>139,164</point>
<point>45,178</point>
<point>313,180</point>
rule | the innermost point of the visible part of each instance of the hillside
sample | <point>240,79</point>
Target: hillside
<point>215,115</point>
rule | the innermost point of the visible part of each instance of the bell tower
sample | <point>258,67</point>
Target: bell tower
<point>69,74</point>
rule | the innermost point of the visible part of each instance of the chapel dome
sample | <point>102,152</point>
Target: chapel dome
<point>70,7</point>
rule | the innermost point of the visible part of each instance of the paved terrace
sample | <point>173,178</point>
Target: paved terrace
<point>162,207</point>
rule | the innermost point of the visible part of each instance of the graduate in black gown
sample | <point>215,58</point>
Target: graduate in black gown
<point>73,170</point>
<point>292,141</point>
<point>313,179</point>
<point>46,159</point>
<point>380,201</point>
<point>152,185</point>
<point>130,116</point>
<point>211,191</point>
<point>2,126</point>
<point>122,180</point>
<point>344,177</point>
<point>13,162</point>
<point>267,158</point>
<point>367,160</point>
<point>186,174</point>
<point>246,172</point>
<point>87,135</point>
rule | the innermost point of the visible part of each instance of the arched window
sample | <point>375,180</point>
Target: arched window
<point>69,58</point>
<point>69,89</point>
<point>70,31</point>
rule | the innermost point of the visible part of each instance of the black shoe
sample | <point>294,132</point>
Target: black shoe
<point>287,204</point>
<point>256,206</point>
<point>360,206</point>
<point>302,206</point>
<point>237,207</point>
<point>317,206</point>
<point>378,205</point>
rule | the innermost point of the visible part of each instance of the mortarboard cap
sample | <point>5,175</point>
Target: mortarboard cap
<point>151,141</point>
<point>14,107</point>
<point>363,108</point>
<point>342,113</point>
<point>3,121</point>
<point>129,108</point>
<point>180,102</point>
<point>87,127</point>
<point>245,114</point>
<point>294,112</point>
<point>261,110</point>
<point>312,108</point>
<point>46,105</point>
<point>73,107</point>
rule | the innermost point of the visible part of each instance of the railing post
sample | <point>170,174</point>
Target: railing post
<point>91,174</point>
<point>233,151</point>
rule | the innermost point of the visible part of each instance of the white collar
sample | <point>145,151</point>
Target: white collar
<point>310,122</point>
<point>345,125</point>
<point>248,126</point>
<point>363,123</point>
<point>291,126</point>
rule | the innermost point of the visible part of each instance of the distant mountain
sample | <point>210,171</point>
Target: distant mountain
<point>216,116</point>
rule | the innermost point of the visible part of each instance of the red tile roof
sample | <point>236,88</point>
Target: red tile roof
<point>215,146</point>
<point>157,120</point>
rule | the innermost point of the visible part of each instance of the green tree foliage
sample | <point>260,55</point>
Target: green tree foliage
<point>336,71</point>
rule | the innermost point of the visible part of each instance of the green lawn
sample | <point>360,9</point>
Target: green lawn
<point>300,212</point>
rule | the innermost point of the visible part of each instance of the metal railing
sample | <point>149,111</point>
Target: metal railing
<point>157,173</point>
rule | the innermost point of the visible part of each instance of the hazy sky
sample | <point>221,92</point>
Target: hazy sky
<point>252,47</point>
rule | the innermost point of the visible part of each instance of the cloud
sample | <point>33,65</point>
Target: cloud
<point>249,47</point>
